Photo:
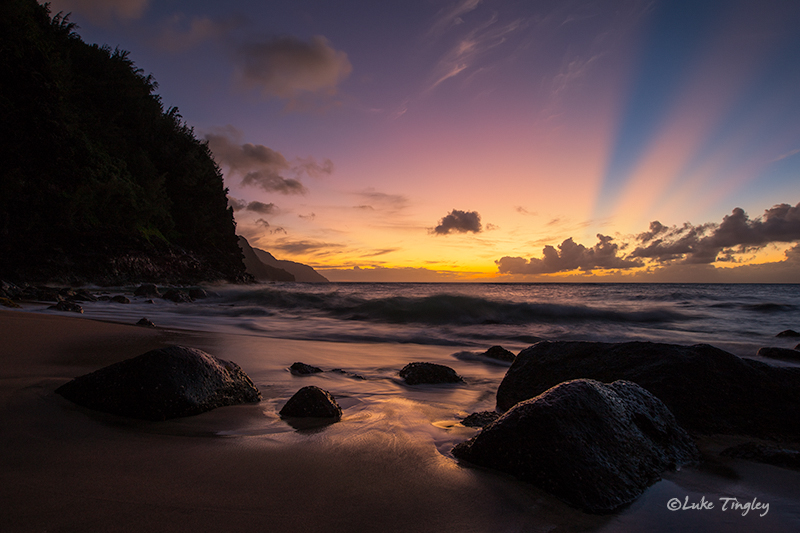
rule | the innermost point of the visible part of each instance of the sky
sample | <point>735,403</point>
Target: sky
<point>490,140</point>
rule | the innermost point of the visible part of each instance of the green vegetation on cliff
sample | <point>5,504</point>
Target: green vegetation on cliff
<point>99,182</point>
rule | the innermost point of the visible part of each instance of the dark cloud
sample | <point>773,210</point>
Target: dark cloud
<point>459,222</point>
<point>293,70</point>
<point>570,256</point>
<point>262,208</point>
<point>262,166</point>
<point>737,233</point>
<point>236,204</point>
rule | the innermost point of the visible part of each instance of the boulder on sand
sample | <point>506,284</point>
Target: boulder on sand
<point>302,369</point>
<point>500,353</point>
<point>431,373</point>
<point>312,402</point>
<point>707,389</point>
<point>593,445</point>
<point>165,383</point>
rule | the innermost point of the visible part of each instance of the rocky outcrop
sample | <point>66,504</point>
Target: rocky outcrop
<point>707,389</point>
<point>300,271</point>
<point>785,354</point>
<point>499,353</point>
<point>147,290</point>
<point>429,373</point>
<point>788,333</point>
<point>65,305</point>
<point>177,296</point>
<point>595,446</point>
<point>312,402</point>
<point>302,369</point>
<point>259,270</point>
<point>165,383</point>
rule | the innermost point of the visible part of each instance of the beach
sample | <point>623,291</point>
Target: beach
<point>384,467</point>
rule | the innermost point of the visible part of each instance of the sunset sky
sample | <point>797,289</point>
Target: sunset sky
<point>490,140</point>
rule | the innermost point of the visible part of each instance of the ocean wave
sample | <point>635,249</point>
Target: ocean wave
<point>436,309</point>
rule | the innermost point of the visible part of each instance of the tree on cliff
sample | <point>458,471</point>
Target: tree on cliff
<point>94,169</point>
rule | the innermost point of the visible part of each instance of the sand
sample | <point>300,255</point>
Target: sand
<point>64,468</point>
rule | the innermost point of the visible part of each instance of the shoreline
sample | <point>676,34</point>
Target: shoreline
<point>69,469</point>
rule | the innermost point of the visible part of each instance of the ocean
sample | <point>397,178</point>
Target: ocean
<point>361,336</point>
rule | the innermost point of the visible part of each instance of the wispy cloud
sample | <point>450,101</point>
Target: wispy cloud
<point>102,11</point>
<point>180,33</point>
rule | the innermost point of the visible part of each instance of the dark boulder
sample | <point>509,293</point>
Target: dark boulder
<point>786,354</point>
<point>788,333</point>
<point>312,402</point>
<point>145,322</point>
<point>177,296</point>
<point>165,383</point>
<point>707,389</point>
<point>764,453</point>
<point>148,290</point>
<point>481,419</point>
<point>595,446</point>
<point>120,299</point>
<point>196,293</point>
<point>500,353</point>
<point>418,373</point>
<point>302,369</point>
<point>66,305</point>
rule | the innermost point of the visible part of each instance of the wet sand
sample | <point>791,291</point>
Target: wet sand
<point>64,468</point>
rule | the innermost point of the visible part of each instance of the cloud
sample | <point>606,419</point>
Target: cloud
<point>471,47</point>
<point>293,70</point>
<point>570,256</point>
<point>102,11</point>
<point>391,202</point>
<point>451,16</point>
<point>261,208</point>
<point>717,242</point>
<point>305,247</point>
<point>178,34</point>
<point>262,166</point>
<point>459,222</point>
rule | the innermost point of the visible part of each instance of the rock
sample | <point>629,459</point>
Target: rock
<point>481,419</point>
<point>146,323</point>
<point>147,290</point>
<point>595,446</point>
<point>5,302</point>
<point>120,299</point>
<point>302,369</point>
<point>418,373</point>
<point>196,293</point>
<point>165,383</point>
<point>66,305</point>
<point>707,389</point>
<point>500,353</point>
<point>762,453</point>
<point>788,333</point>
<point>797,347</point>
<point>177,296</point>
<point>81,295</point>
<point>348,373</point>
<point>786,354</point>
<point>312,402</point>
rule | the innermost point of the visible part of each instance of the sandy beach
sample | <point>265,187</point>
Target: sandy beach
<point>64,468</point>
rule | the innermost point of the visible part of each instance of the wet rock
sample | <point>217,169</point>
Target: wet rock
<point>120,299</point>
<point>762,453</point>
<point>80,295</point>
<point>302,369</point>
<point>165,383</point>
<point>312,402</point>
<point>66,305</point>
<point>481,419</point>
<point>788,333</point>
<point>5,302</point>
<point>707,389</point>
<point>148,290</point>
<point>348,373</point>
<point>177,296</point>
<point>500,353</point>
<point>196,293</point>
<point>419,373</point>
<point>145,322</point>
<point>785,354</point>
<point>595,446</point>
